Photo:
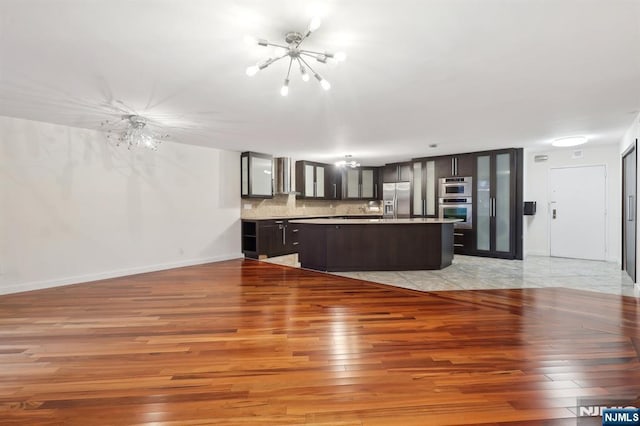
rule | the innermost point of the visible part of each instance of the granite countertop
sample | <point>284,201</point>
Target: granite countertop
<point>310,216</point>
<point>416,221</point>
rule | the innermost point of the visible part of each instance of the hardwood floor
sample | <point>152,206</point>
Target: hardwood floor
<point>249,342</point>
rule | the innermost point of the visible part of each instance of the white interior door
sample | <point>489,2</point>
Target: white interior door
<point>578,212</point>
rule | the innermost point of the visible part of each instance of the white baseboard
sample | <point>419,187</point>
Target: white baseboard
<point>38,285</point>
<point>536,253</point>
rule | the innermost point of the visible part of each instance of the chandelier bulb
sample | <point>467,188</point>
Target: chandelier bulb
<point>315,24</point>
<point>304,73</point>
<point>340,56</point>
<point>252,70</point>
<point>325,84</point>
<point>284,91</point>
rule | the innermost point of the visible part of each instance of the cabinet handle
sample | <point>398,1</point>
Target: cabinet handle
<point>294,230</point>
<point>296,243</point>
<point>335,191</point>
<point>375,190</point>
<point>452,166</point>
<point>424,207</point>
<point>279,221</point>
<point>460,235</point>
<point>458,245</point>
<point>284,236</point>
<point>630,209</point>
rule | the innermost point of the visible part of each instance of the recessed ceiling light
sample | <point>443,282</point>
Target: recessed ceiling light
<point>569,141</point>
<point>433,145</point>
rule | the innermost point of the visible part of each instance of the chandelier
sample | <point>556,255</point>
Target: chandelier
<point>347,162</point>
<point>293,51</point>
<point>133,131</point>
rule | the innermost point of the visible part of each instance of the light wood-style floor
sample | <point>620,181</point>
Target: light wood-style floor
<point>247,342</point>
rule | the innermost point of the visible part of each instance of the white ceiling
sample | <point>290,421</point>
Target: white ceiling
<point>465,74</point>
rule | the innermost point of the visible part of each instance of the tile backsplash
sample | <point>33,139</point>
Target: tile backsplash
<point>289,205</point>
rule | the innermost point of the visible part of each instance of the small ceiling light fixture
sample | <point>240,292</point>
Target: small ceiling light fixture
<point>135,133</point>
<point>295,53</point>
<point>569,141</point>
<point>347,163</point>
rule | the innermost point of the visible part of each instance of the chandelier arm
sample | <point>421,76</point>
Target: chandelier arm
<point>310,52</point>
<point>311,55</point>
<point>277,45</point>
<point>307,64</point>
<point>289,70</point>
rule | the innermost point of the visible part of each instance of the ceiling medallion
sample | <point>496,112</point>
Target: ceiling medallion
<point>133,131</point>
<point>293,51</point>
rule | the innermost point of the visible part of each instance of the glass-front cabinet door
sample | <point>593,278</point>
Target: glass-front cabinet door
<point>367,183</point>
<point>424,189</point>
<point>256,175</point>
<point>319,181</point>
<point>494,204</point>
<point>353,183</point>
<point>309,184</point>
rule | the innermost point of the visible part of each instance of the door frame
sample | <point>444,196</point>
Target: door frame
<point>631,149</point>
<point>606,196</point>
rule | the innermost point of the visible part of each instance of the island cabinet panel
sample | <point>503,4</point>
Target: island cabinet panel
<point>371,247</point>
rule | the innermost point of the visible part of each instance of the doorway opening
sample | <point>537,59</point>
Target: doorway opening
<point>629,203</point>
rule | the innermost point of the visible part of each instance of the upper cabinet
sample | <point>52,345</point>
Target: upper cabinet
<point>318,180</point>
<point>455,165</point>
<point>256,175</point>
<point>397,172</point>
<point>423,189</point>
<point>360,183</point>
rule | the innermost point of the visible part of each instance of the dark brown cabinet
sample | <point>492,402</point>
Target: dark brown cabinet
<point>360,183</point>
<point>462,241</point>
<point>424,189</point>
<point>397,172</point>
<point>497,196</point>
<point>311,179</point>
<point>318,180</point>
<point>268,238</point>
<point>334,183</point>
<point>256,171</point>
<point>461,165</point>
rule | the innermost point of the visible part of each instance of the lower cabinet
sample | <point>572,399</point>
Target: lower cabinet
<point>462,241</point>
<point>268,238</point>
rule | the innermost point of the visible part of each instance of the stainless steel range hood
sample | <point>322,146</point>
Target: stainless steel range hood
<point>282,175</point>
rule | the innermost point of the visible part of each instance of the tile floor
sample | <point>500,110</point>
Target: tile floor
<point>475,273</point>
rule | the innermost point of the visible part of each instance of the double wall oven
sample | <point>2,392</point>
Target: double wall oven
<point>455,200</point>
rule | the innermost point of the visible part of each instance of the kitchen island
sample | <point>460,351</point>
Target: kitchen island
<point>375,244</point>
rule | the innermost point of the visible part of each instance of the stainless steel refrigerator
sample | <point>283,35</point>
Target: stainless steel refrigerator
<point>396,200</point>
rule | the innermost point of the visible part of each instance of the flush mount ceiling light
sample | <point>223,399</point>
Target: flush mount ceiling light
<point>134,131</point>
<point>347,162</point>
<point>293,51</point>
<point>569,141</point>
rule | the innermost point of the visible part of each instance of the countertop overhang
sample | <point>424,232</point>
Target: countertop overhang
<point>409,221</point>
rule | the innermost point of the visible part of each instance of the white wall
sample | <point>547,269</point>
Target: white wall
<point>629,138</point>
<point>75,208</point>
<point>537,189</point>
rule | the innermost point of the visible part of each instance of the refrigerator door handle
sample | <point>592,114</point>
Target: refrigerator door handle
<point>452,166</point>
